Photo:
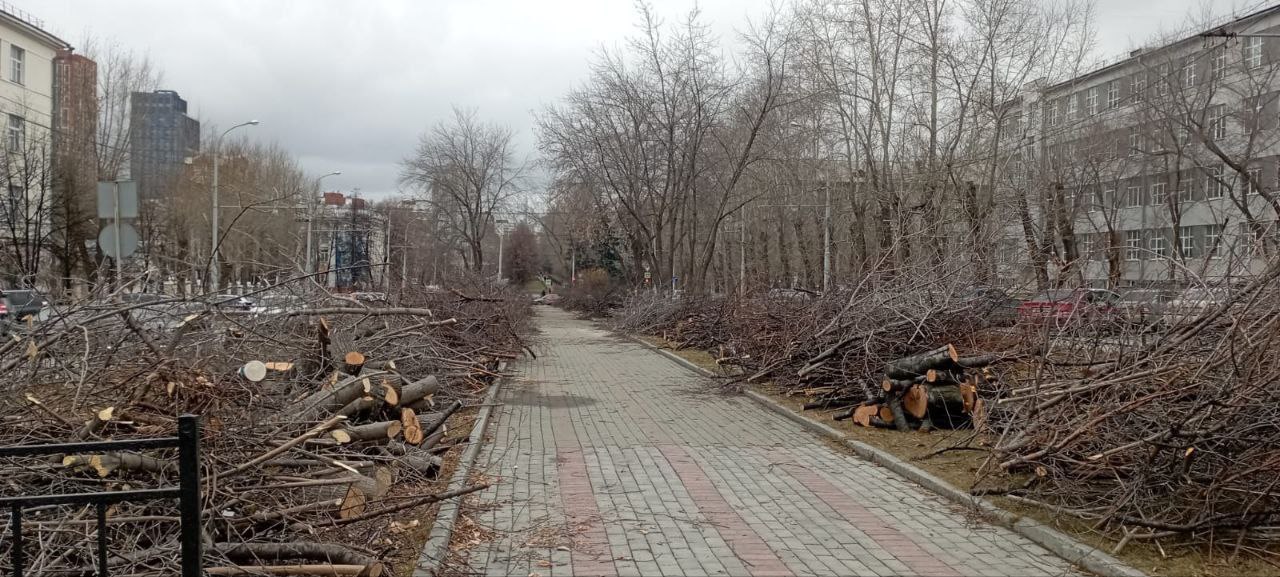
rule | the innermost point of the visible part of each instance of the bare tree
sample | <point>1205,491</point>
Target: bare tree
<point>467,169</point>
<point>121,72</point>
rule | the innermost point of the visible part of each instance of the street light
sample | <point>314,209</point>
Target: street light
<point>311,215</point>
<point>213,247</point>
<point>501,226</point>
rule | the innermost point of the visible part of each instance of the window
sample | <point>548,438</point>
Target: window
<point>1253,52</point>
<point>1108,196</point>
<point>1189,72</point>
<point>1217,121</point>
<point>1135,142</point>
<point>1086,246</point>
<point>1072,107</point>
<point>1133,245</point>
<point>1218,66</point>
<point>1051,117</point>
<point>1213,240</point>
<point>1184,190</point>
<point>1158,196</point>
<point>1157,244</point>
<point>17,60</point>
<point>1091,100</point>
<point>1187,241</point>
<point>1113,94</point>
<point>1251,183</point>
<point>1184,136</point>
<point>1139,85</point>
<point>1162,82</point>
<point>1214,183</point>
<point>1133,196</point>
<point>17,128</point>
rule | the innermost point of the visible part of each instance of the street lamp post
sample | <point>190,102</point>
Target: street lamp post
<point>502,224</point>
<point>213,246</point>
<point>310,267</point>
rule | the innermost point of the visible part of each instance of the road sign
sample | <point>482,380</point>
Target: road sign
<point>128,199</point>
<point>128,239</point>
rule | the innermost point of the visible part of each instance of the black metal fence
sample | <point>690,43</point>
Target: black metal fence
<point>187,492</point>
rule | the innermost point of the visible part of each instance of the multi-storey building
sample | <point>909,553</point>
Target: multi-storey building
<point>27,55</point>
<point>75,96</point>
<point>75,162</point>
<point>352,243</point>
<point>161,137</point>
<point>1160,168</point>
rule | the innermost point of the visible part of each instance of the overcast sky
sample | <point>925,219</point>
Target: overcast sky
<point>349,85</point>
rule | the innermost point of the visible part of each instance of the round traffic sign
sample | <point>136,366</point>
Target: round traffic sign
<point>128,239</point>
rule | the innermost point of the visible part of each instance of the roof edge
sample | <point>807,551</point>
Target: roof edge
<point>39,33</point>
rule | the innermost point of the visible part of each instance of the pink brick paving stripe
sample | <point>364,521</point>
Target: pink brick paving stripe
<point>886,536</point>
<point>745,542</point>
<point>591,553</point>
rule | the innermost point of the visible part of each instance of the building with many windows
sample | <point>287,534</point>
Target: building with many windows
<point>1158,169</point>
<point>161,138</point>
<point>27,55</point>
<point>351,241</point>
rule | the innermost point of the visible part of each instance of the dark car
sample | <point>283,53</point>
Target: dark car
<point>18,304</point>
<point>1070,307</point>
<point>991,303</point>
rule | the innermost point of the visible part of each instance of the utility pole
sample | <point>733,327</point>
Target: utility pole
<point>213,218</point>
<point>501,226</point>
<point>310,267</point>
<point>742,253</point>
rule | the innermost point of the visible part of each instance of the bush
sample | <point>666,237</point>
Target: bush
<point>594,294</point>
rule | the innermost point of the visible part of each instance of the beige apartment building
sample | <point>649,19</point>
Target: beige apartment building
<point>27,55</point>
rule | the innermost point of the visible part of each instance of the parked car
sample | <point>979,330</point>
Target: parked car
<point>278,304</point>
<point>17,304</point>
<point>232,302</point>
<point>1070,307</point>
<point>1144,307</point>
<point>994,304</point>
<point>1193,302</point>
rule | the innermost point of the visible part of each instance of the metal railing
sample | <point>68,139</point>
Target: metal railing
<point>187,492</point>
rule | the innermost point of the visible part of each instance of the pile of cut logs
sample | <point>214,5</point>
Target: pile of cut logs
<point>936,389</point>
<point>325,430</point>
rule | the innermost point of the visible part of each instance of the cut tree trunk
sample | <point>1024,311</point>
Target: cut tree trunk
<point>919,365</point>
<point>382,431</point>
<point>418,390</point>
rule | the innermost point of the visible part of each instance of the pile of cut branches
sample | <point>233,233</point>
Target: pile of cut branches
<point>829,345</point>
<point>1179,438</point>
<point>325,423</point>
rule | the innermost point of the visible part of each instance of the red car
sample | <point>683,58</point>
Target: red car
<point>1070,307</point>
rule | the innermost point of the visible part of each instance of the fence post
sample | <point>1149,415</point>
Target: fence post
<point>15,528</point>
<point>189,493</point>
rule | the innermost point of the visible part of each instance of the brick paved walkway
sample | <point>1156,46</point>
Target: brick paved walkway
<point>609,459</point>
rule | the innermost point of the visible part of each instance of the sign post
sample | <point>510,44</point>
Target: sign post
<point>117,201</point>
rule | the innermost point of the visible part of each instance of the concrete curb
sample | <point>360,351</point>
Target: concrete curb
<point>1089,558</point>
<point>436,547</point>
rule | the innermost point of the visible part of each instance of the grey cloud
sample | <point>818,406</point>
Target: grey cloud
<point>349,85</point>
